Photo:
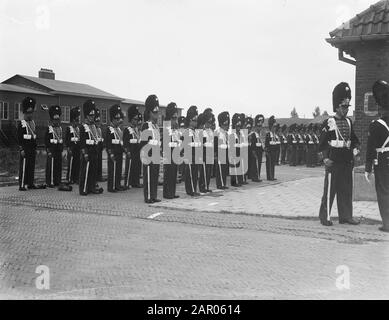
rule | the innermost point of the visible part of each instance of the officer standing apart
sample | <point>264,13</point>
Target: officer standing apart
<point>72,144</point>
<point>338,145</point>
<point>377,153</point>
<point>150,149</point>
<point>54,148</point>
<point>27,145</point>
<point>114,146</point>
<point>100,146</point>
<point>88,149</point>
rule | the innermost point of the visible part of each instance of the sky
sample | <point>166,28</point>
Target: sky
<point>250,56</point>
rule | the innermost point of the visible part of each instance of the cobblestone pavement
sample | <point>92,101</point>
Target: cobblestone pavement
<point>114,246</point>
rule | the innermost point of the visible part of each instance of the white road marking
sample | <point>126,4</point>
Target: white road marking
<point>213,203</point>
<point>153,216</point>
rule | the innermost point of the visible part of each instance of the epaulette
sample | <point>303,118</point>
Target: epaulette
<point>51,130</point>
<point>111,129</point>
<point>131,130</point>
<point>23,123</point>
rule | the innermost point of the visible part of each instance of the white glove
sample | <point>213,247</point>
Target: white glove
<point>368,177</point>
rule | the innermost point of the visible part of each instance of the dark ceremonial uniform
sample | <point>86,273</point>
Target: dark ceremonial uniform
<point>284,147</point>
<point>337,142</point>
<point>221,155</point>
<point>316,149</point>
<point>278,150</point>
<point>151,170</point>
<point>72,143</point>
<point>310,145</point>
<point>377,153</point>
<point>236,178</point>
<point>131,140</point>
<point>300,148</point>
<point>54,146</point>
<point>244,150</point>
<point>100,148</point>
<point>208,160</point>
<point>255,157</point>
<point>191,168</point>
<point>292,147</point>
<point>114,147</point>
<point>272,145</point>
<point>27,143</point>
<point>170,168</point>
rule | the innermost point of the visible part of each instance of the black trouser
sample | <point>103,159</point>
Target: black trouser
<point>236,179</point>
<point>341,185</point>
<point>54,168</point>
<point>300,154</point>
<point>205,176</point>
<point>191,178</point>
<point>169,180</point>
<point>115,171</point>
<point>99,163</point>
<point>382,189</point>
<point>27,168</point>
<point>255,166</point>
<point>88,173</point>
<point>73,172</point>
<point>293,155</point>
<point>150,181</point>
<point>132,171</point>
<point>284,148</point>
<point>221,175</point>
<point>310,159</point>
<point>271,157</point>
<point>278,155</point>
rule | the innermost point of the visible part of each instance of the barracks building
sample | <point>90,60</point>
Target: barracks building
<point>48,91</point>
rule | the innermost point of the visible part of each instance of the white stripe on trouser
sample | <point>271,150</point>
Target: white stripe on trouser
<point>24,170</point>
<point>329,197</point>
<point>86,176</point>
<point>128,173</point>
<point>148,181</point>
<point>191,180</point>
<point>71,167</point>
<point>114,174</point>
<point>221,176</point>
<point>52,167</point>
<point>205,175</point>
<point>243,170</point>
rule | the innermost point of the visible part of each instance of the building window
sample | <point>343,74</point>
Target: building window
<point>65,114</point>
<point>4,110</point>
<point>104,116</point>
<point>17,111</point>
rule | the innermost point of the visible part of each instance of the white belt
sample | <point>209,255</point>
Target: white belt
<point>272,143</point>
<point>74,139</point>
<point>208,144</point>
<point>258,144</point>
<point>27,136</point>
<point>382,150</point>
<point>55,141</point>
<point>340,144</point>
<point>294,142</point>
<point>115,141</point>
<point>278,142</point>
<point>244,144</point>
<point>154,142</point>
<point>237,145</point>
<point>133,141</point>
<point>90,142</point>
<point>173,144</point>
<point>301,142</point>
<point>223,146</point>
<point>311,142</point>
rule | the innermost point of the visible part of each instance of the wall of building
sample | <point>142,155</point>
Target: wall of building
<point>372,64</point>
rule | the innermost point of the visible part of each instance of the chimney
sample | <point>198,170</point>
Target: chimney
<point>46,74</point>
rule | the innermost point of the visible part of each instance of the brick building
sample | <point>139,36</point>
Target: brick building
<point>365,38</point>
<point>48,91</point>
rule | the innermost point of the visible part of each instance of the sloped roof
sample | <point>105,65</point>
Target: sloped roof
<point>13,88</point>
<point>371,24</point>
<point>131,101</point>
<point>70,88</point>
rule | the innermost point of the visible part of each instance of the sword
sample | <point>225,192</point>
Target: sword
<point>128,174</point>
<point>86,177</point>
<point>114,174</point>
<point>148,181</point>
<point>71,167</point>
<point>52,167</point>
<point>329,197</point>
<point>221,176</point>
<point>191,180</point>
<point>205,174</point>
<point>256,162</point>
<point>24,169</point>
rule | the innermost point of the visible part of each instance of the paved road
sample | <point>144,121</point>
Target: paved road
<point>114,246</point>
